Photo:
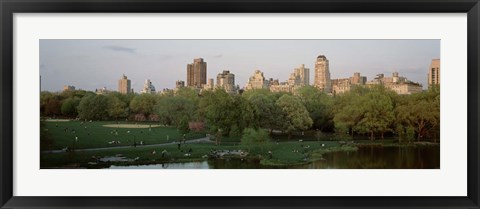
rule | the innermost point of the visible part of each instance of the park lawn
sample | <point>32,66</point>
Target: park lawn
<point>283,154</point>
<point>144,154</point>
<point>95,135</point>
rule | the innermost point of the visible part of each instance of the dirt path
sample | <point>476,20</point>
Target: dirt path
<point>200,140</point>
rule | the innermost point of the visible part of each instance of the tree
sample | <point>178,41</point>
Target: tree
<point>93,107</point>
<point>319,106</point>
<point>421,112</point>
<point>218,108</point>
<point>265,112</point>
<point>69,107</point>
<point>116,107</point>
<point>174,109</point>
<point>143,104</point>
<point>296,115</point>
<point>53,107</point>
<point>377,114</point>
<point>254,138</point>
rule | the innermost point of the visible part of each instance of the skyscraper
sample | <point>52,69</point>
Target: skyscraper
<point>322,75</point>
<point>124,85</point>
<point>434,73</point>
<point>226,80</point>
<point>197,73</point>
<point>304,74</point>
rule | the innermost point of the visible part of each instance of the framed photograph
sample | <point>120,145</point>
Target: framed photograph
<point>265,104</point>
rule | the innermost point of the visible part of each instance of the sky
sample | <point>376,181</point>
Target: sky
<point>94,64</point>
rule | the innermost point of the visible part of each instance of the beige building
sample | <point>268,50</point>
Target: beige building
<point>401,85</point>
<point>124,85</point>
<point>197,73</point>
<point>68,88</point>
<point>343,85</point>
<point>322,75</point>
<point>226,80</point>
<point>103,90</point>
<point>434,72</point>
<point>304,74</point>
<point>257,81</point>
<point>283,87</point>
<point>209,85</point>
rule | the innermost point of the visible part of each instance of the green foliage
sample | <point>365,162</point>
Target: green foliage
<point>143,104</point>
<point>172,110</point>
<point>69,107</point>
<point>319,105</point>
<point>117,108</point>
<point>252,137</point>
<point>93,107</point>
<point>296,115</point>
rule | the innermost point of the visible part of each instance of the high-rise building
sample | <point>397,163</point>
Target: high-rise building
<point>434,73</point>
<point>322,75</point>
<point>226,80</point>
<point>124,85</point>
<point>304,74</point>
<point>148,87</point>
<point>257,81</point>
<point>197,73</point>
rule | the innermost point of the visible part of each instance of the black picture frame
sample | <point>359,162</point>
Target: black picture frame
<point>9,7</point>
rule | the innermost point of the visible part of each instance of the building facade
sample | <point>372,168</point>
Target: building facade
<point>68,88</point>
<point>257,81</point>
<point>304,75</point>
<point>322,75</point>
<point>226,80</point>
<point>179,84</point>
<point>209,85</point>
<point>434,73</point>
<point>197,73</point>
<point>124,85</point>
<point>343,85</point>
<point>148,87</point>
<point>399,84</point>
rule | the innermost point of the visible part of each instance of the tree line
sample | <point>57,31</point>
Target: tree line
<point>362,112</point>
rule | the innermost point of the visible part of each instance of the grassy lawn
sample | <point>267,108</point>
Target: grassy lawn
<point>283,153</point>
<point>95,135</point>
<point>299,149</point>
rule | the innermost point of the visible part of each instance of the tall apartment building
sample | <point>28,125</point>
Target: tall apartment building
<point>124,85</point>
<point>304,74</point>
<point>322,75</point>
<point>434,72</point>
<point>257,81</point>
<point>197,73</point>
<point>226,80</point>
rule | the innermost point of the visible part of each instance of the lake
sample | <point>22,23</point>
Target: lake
<point>367,157</point>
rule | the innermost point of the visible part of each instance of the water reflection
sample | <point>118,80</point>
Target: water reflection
<point>367,157</point>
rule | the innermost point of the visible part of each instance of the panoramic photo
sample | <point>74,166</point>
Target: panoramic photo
<point>239,104</point>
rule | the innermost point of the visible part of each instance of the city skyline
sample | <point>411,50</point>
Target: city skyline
<point>163,62</point>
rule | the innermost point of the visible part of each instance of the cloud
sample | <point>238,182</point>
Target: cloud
<point>120,49</point>
<point>218,56</point>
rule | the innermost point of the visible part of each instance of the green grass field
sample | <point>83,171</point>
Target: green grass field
<point>95,135</point>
